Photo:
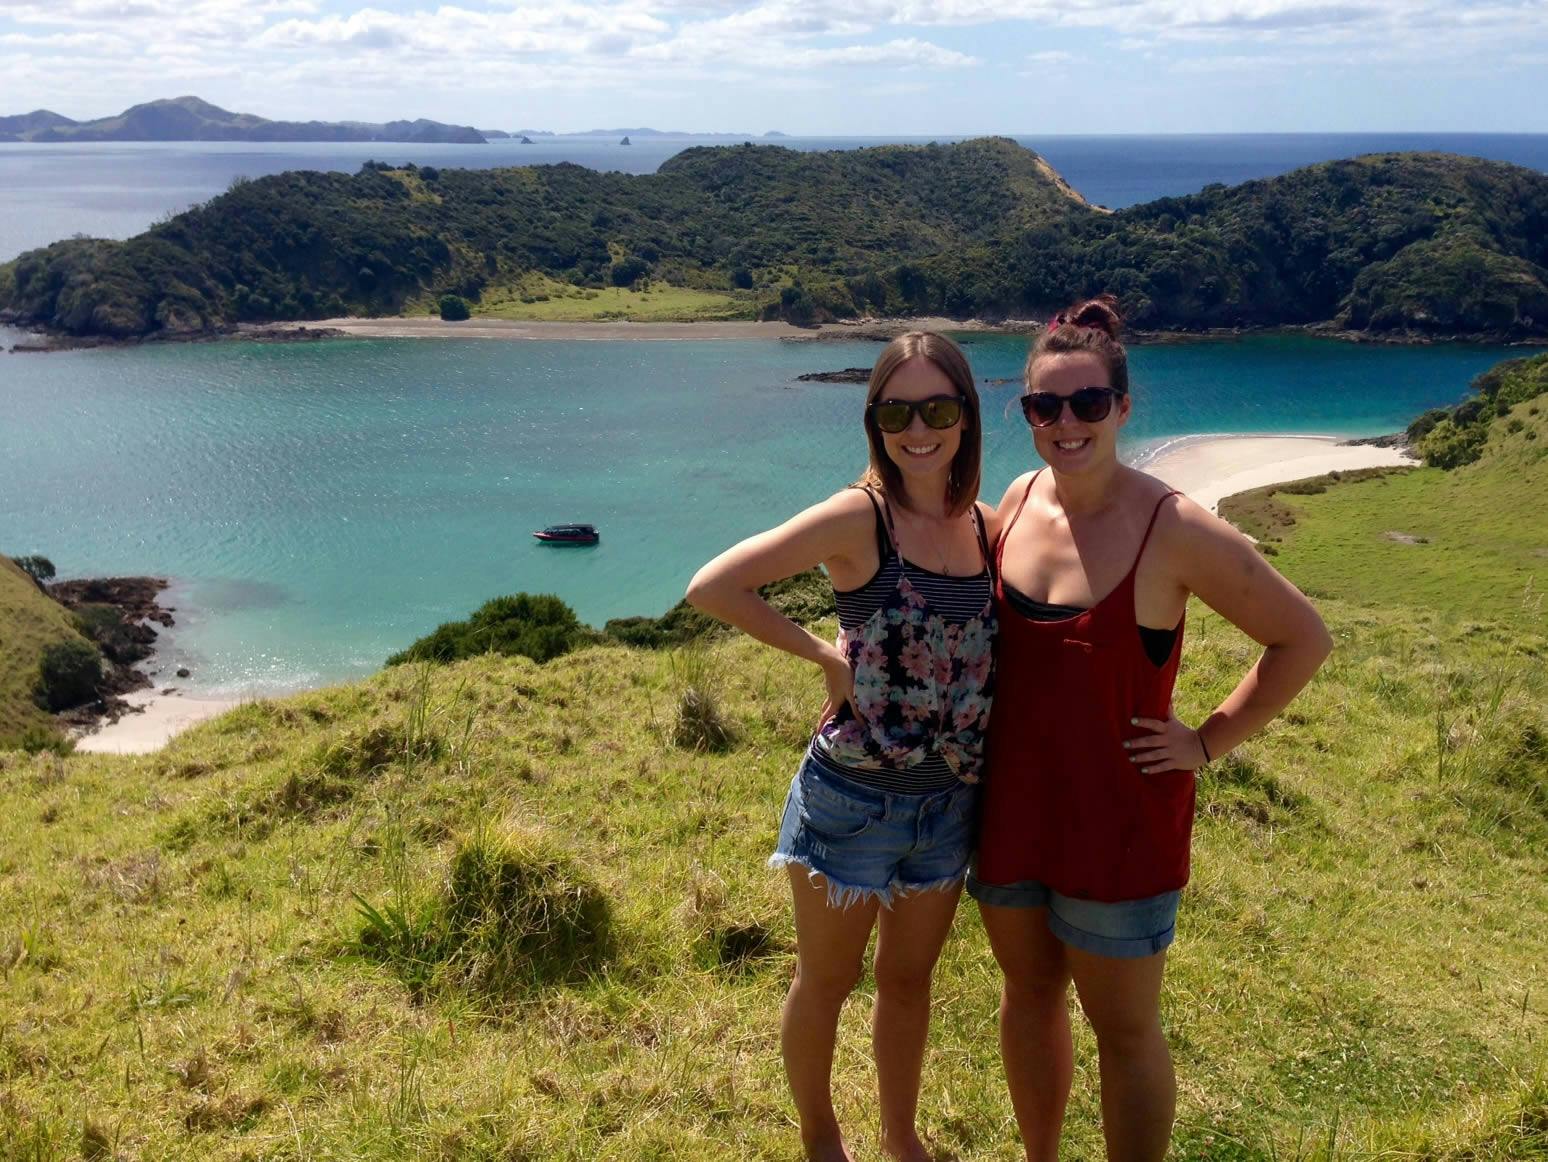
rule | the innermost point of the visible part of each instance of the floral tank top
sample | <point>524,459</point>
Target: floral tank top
<point>924,682</point>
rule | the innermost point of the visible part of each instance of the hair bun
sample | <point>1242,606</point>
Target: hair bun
<point>1101,313</point>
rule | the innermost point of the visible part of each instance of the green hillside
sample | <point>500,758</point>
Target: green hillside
<point>29,621</point>
<point>495,910</point>
<point>1471,543</point>
<point>1406,244</point>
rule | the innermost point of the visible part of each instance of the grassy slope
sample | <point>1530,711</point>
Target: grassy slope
<point>1484,553</point>
<point>1362,945</point>
<point>28,622</point>
<point>537,297</point>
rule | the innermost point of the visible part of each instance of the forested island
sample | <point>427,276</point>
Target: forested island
<point>1414,245</point>
<point>192,119</point>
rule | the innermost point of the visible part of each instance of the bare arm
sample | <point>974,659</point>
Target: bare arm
<point>832,534</point>
<point>1221,567</point>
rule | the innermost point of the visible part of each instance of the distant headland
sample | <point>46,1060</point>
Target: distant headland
<point>194,119</point>
<point>1395,246</point>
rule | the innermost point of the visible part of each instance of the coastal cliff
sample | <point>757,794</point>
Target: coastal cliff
<point>1391,245</point>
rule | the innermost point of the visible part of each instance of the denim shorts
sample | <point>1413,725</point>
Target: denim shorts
<point>873,844</point>
<point>1128,930</point>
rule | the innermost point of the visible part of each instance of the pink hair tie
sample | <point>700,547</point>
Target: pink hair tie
<point>1053,323</point>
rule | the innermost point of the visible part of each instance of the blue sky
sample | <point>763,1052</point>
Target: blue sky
<point>893,67</point>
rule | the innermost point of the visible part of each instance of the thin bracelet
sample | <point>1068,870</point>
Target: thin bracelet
<point>1203,746</point>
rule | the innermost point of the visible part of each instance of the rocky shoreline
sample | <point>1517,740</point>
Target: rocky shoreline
<point>43,340</point>
<point>118,613</point>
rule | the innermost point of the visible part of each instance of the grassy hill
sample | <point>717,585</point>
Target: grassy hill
<point>496,910</point>
<point>576,952</point>
<point>503,910</point>
<point>1471,542</point>
<point>29,621</point>
<point>1424,244</point>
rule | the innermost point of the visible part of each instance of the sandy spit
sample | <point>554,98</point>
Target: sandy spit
<point>1211,468</point>
<point>514,329</point>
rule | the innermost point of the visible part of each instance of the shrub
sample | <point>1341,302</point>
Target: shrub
<point>40,569</point>
<point>1450,445</point>
<point>454,308</point>
<point>537,626</point>
<point>627,271</point>
<point>68,674</point>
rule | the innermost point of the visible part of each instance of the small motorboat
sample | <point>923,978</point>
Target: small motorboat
<point>568,535</point>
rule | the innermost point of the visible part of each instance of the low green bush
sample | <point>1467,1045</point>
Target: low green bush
<point>68,675</point>
<point>454,308</point>
<point>538,626</point>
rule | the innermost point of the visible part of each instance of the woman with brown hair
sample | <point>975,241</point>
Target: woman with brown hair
<point>1088,806</point>
<point>877,826</point>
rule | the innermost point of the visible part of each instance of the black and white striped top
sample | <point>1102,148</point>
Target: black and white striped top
<point>958,599</point>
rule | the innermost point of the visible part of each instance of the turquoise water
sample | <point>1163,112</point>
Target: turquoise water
<point>320,505</point>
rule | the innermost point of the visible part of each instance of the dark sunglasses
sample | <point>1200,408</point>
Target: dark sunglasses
<point>894,415</point>
<point>1089,405</point>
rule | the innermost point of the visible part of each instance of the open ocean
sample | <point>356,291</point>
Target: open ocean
<point>319,506</point>
<point>113,190</point>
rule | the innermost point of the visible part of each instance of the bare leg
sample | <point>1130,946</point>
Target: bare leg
<point>1122,1000</point>
<point>1035,1039</point>
<point>908,943</point>
<point>830,943</point>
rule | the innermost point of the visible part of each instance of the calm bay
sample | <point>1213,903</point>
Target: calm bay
<point>319,506</point>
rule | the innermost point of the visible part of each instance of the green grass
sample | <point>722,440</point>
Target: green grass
<point>538,298</point>
<point>29,621</point>
<point>1472,542</point>
<point>260,942</point>
<point>503,910</point>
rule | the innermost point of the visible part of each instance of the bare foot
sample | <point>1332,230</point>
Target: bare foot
<point>826,1149</point>
<point>905,1147</point>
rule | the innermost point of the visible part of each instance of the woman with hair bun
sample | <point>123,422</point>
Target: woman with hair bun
<point>1089,797</point>
<point>878,824</point>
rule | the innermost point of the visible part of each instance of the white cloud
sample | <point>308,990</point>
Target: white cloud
<point>117,50</point>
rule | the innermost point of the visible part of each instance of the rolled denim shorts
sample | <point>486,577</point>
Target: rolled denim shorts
<point>874,844</point>
<point>1128,930</point>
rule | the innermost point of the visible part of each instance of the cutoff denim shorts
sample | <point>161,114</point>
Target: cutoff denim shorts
<point>1127,930</point>
<point>874,844</point>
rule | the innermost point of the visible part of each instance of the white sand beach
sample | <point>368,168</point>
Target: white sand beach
<point>1211,468</point>
<point>424,327</point>
<point>151,728</point>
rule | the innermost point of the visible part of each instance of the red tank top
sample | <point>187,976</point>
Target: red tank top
<point>1062,804</point>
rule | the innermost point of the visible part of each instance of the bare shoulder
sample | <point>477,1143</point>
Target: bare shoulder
<point>1199,546</point>
<point>847,515</point>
